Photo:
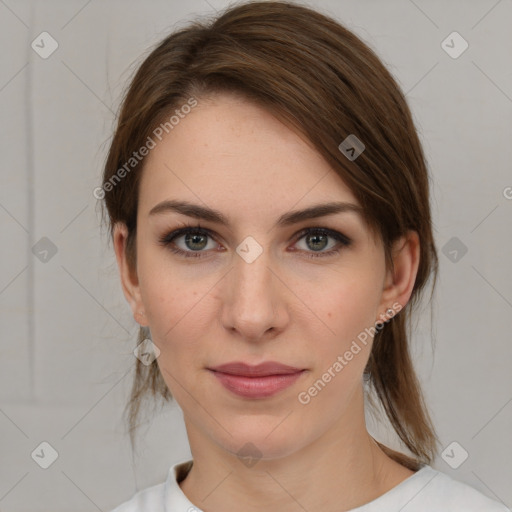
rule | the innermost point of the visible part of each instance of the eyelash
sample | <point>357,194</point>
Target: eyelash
<point>167,240</point>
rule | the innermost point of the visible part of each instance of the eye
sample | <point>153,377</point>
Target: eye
<point>318,238</point>
<point>195,241</point>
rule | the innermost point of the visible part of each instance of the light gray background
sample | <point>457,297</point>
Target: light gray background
<point>67,334</point>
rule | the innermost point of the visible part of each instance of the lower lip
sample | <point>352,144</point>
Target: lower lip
<point>256,387</point>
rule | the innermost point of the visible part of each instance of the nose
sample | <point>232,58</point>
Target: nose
<point>254,299</point>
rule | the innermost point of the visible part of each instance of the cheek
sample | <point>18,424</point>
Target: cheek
<point>342,351</point>
<point>347,307</point>
<point>175,303</point>
<point>178,320</point>
<point>347,304</point>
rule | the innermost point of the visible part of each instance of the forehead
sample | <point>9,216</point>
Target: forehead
<point>235,156</point>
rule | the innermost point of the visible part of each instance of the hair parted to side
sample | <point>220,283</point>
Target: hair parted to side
<point>325,83</point>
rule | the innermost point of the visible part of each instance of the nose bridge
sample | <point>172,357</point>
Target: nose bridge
<point>253,276</point>
<point>251,304</point>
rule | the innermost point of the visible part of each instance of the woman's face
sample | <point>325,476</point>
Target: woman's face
<point>254,289</point>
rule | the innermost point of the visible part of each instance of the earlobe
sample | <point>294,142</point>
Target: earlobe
<point>400,281</point>
<point>128,276</point>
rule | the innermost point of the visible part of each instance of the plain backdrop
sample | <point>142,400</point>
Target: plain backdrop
<point>67,334</point>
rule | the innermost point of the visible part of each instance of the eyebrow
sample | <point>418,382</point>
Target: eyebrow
<point>287,219</point>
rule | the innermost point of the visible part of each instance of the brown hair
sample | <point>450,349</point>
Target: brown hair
<point>325,83</point>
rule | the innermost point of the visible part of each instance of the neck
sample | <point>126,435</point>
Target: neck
<point>342,469</point>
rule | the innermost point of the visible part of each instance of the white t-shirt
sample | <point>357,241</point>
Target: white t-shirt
<point>428,490</point>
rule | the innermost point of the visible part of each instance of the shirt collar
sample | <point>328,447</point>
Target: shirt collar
<point>175,499</point>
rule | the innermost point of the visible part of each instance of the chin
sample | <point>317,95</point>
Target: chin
<point>261,442</point>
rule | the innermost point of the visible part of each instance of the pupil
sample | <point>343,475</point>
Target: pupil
<point>194,239</point>
<point>313,237</point>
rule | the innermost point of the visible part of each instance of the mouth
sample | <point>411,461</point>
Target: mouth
<point>256,381</point>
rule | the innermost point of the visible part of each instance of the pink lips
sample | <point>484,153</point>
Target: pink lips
<point>260,381</point>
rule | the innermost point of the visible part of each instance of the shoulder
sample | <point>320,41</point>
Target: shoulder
<point>151,498</point>
<point>161,497</point>
<point>440,491</point>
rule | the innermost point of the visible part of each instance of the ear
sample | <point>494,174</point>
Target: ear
<point>399,282</point>
<point>129,280</point>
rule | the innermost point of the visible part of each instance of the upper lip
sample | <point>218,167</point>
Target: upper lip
<point>259,370</point>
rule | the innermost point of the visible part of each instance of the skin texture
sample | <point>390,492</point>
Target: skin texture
<point>235,157</point>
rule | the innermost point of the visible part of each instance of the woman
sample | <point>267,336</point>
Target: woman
<point>268,200</point>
